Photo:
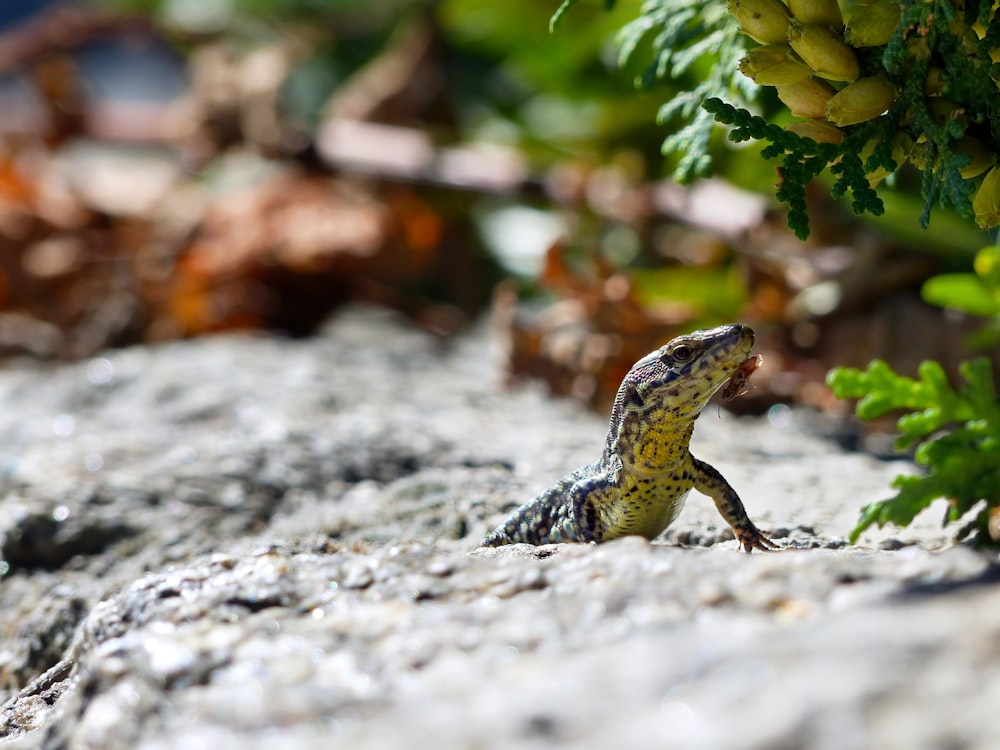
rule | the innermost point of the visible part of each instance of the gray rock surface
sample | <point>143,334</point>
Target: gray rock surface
<point>248,542</point>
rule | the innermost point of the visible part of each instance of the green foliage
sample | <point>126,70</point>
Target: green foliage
<point>974,293</point>
<point>947,98</point>
<point>929,126</point>
<point>560,14</point>
<point>803,158</point>
<point>682,34</point>
<point>956,433</point>
<point>535,62</point>
<point>678,36</point>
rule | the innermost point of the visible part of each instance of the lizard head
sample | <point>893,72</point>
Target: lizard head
<point>668,388</point>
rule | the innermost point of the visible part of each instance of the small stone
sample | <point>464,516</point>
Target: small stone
<point>357,577</point>
<point>892,544</point>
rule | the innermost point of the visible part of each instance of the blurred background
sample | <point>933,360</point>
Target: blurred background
<point>172,168</point>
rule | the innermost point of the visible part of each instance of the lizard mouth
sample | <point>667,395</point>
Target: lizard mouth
<point>730,363</point>
<point>744,335</point>
<point>732,350</point>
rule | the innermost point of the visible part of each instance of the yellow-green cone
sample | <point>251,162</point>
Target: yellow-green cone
<point>986,203</point>
<point>773,64</point>
<point>872,23</point>
<point>807,98</point>
<point>819,131</point>
<point>826,12</point>
<point>982,157</point>
<point>824,51</point>
<point>860,101</point>
<point>765,21</point>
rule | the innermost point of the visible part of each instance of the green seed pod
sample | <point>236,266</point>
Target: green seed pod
<point>774,64</point>
<point>978,27</point>
<point>825,12</point>
<point>982,157</point>
<point>986,203</point>
<point>863,100</point>
<point>807,98</point>
<point>819,131</point>
<point>872,23</point>
<point>824,51</point>
<point>764,21</point>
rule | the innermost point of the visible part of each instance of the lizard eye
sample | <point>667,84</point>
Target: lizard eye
<point>682,353</point>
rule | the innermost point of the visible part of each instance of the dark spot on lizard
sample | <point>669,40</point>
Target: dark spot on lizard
<point>632,397</point>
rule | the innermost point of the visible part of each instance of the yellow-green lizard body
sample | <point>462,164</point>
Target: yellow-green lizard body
<point>639,484</point>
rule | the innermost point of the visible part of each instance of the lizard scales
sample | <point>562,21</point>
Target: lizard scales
<point>639,484</point>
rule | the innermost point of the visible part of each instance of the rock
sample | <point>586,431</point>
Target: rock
<point>278,545</point>
<point>50,537</point>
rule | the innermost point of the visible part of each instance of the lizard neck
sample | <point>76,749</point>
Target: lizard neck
<point>651,446</point>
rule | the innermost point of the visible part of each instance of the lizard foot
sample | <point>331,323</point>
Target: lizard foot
<point>751,538</point>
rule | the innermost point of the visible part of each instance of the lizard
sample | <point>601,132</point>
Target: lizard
<point>639,484</point>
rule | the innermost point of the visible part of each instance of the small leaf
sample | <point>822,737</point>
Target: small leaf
<point>918,424</point>
<point>561,11</point>
<point>874,405</point>
<point>980,389</point>
<point>934,381</point>
<point>960,291</point>
<point>987,266</point>
<point>978,373</point>
<point>869,516</point>
<point>915,494</point>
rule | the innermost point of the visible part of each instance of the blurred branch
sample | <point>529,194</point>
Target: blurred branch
<point>407,154</point>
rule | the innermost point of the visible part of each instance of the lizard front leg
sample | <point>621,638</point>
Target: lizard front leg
<point>710,482</point>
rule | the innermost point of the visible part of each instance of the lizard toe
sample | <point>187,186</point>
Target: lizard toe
<point>753,538</point>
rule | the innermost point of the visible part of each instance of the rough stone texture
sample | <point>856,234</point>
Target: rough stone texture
<point>247,542</point>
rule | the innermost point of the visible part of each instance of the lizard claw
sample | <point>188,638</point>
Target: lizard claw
<point>751,538</point>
